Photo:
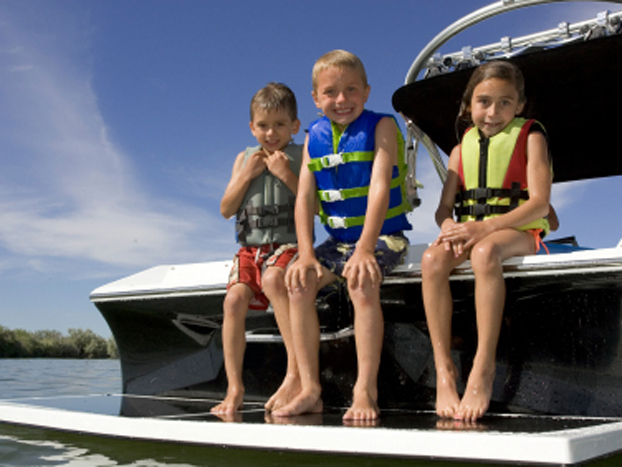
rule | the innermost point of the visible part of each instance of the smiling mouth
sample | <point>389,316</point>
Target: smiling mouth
<point>343,111</point>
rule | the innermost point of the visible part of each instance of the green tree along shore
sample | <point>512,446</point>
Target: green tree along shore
<point>79,343</point>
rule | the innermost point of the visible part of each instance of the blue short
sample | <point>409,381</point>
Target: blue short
<point>390,252</point>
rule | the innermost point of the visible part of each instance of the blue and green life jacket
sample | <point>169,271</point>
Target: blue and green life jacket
<point>342,164</point>
<point>266,214</point>
<point>493,174</point>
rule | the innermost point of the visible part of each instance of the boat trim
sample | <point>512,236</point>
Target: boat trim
<point>466,22</point>
<point>569,446</point>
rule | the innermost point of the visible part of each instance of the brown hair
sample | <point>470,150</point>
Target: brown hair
<point>499,69</point>
<point>275,96</point>
<point>338,59</point>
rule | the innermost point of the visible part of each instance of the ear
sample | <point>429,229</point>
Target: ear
<point>295,127</point>
<point>521,106</point>
<point>366,93</point>
<point>252,127</point>
<point>315,99</point>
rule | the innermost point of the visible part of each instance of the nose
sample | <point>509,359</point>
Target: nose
<point>492,109</point>
<point>341,97</point>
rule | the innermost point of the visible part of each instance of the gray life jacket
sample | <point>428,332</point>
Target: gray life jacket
<point>266,214</point>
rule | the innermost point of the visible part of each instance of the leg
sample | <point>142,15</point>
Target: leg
<point>486,260</point>
<point>306,339</point>
<point>369,335</point>
<point>234,343</point>
<point>274,288</point>
<point>436,265</point>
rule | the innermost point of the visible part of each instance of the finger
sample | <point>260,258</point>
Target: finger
<point>319,271</point>
<point>376,275</point>
<point>353,277</point>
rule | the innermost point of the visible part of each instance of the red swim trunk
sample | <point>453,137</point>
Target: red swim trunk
<point>251,262</point>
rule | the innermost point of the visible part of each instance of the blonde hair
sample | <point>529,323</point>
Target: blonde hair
<point>338,59</point>
<point>275,96</point>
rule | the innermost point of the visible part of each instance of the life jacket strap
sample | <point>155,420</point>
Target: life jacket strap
<point>357,192</point>
<point>336,222</point>
<point>333,160</point>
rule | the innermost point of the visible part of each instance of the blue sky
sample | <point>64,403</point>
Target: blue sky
<point>120,120</point>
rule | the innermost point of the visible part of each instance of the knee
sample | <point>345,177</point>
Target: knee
<point>434,263</point>
<point>485,258</point>
<point>364,296</point>
<point>236,302</point>
<point>299,298</point>
<point>273,282</point>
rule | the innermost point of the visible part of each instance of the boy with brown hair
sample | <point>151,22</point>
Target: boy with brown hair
<point>261,193</point>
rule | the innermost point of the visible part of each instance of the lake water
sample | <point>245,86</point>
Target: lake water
<point>24,446</point>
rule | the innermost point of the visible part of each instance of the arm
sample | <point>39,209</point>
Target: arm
<point>295,276</point>
<point>444,213</point>
<point>241,176</point>
<point>363,264</point>
<point>537,206</point>
<point>553,219</point>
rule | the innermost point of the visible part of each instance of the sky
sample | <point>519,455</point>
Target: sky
<point>120,121</point>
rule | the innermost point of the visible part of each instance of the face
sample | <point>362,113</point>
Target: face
<point>273,129</point>
<point>494,104</point>
<point>341,95</point>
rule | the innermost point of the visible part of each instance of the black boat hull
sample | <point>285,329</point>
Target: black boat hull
<point>559,351</point>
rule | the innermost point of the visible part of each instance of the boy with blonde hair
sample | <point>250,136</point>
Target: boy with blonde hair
<point>353,162</point>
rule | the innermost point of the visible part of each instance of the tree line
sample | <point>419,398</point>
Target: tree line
<point>78,343</point>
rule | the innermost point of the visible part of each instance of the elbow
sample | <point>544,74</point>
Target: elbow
<point>226,213</point>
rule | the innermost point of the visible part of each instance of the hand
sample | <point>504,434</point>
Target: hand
<point>463,236</point>
<point>362,268</point>
<point>255,164</point>
<point>278,164</point>
<point>297,273</point>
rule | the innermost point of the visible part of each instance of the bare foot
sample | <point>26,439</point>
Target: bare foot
<point>289,389</point>
<point>229,417</point>
<point>305,402</point>
<point>447,399</point>
<point>477,395</point>
<point>232,403</point>
<point>364,407</point>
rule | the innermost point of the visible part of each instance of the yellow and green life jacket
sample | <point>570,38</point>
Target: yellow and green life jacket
<point>493,174</point>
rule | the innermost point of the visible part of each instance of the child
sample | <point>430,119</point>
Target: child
<point>512,210</point>
<point>352,162</point>
<point>262,193</point>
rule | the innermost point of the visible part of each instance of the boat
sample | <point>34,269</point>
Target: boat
<point>558,388</point>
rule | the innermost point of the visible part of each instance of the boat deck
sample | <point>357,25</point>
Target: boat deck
<point>541,440</point>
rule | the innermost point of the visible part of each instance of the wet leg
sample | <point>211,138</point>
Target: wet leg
<point>234,344</point>
<point>274,289</point>
<point>486,259</point>
<point>306,339</point>
<point>369,335</point>
<point>436,266</point>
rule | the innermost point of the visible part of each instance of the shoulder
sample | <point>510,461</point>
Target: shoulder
<point>454,156</point>
<point>294,151</point>
<point>322,121</point>
<point>386,124</point>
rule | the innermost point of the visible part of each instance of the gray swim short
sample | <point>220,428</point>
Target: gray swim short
<point>390,252</point>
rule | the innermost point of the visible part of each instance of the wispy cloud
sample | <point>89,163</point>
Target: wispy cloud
<point>68,194</point>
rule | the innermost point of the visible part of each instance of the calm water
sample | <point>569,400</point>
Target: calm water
<point>22,446</point>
